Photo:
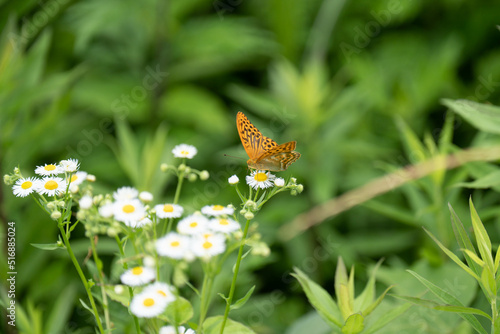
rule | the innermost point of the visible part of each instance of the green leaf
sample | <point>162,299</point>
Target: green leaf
<point>179,311</point>
<point>354,324</point>
<point>377,302</point>
<point>240,302</point>
<point>212,325</point>
<point>453,256</point>
<point>344,290</point>
<point>368,295</point>
<point>320,299</point>
<point>49,246</point>
<point>464,241</point>
<point>122,298</point>
<point>485,182</point>
<point>484,117</point>
<point>61,310</point>
<point>386,318</point>
<point>449,299</point>
<point>448,308</point>
<point>488,281</point>
<point>222,296</point>
<point>482,238</point>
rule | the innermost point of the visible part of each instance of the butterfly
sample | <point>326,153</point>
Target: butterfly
<point>264,153</point>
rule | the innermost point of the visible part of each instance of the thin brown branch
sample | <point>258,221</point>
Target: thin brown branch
<point>384,184</point>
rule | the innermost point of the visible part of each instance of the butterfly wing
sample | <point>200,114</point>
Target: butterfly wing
<point>253,141</point>
<point>277,158</point>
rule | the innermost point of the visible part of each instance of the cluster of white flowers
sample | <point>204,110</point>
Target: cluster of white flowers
<point>50,183</point>
<point>200,235</point>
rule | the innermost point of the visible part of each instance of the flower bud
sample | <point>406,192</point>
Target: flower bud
<point>181,167</point>
<point>233,180</point>
<point>192,177</point>
<point>251,205</point>
<point>164,167</point>
<point>91,178</point>
<point>300,188</point>
<point>204,175</point>
<point>55,215</point>
<point>249,215</point>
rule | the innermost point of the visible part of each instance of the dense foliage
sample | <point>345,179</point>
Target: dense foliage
<point>360,86</point>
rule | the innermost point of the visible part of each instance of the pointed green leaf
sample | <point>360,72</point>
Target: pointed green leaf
<point>320,299</point>
<point>484,117</point>
<point>449,299</point>
<point>453,256</point>
<point>212,325</point>
<point>344,301</point>
<point>464,240</point>
<point>48,246</point>
<point>447,308</point>
<point>474,257</point>
<point>222,296</point>
<point>497,259</point>
<point>386,318</point>
<point>482,238</point>
<point>179,311</point>
<point>489,283</point>
<point>240,302</point>
<point>368,295</point>
<point>354,324</point>
<point>374,305</point>
<point>484,182</point>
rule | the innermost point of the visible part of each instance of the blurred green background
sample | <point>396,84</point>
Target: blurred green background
<point>117,84</point>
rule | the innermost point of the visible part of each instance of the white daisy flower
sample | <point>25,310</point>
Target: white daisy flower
<point>51,186</point>
<point>138,276</point>
<point>193,224</point>
<point>148,305</point>
<point>85,202</point>
<point>279,182</point>
<point>233,180</point>
<point>173,245</point>
<point>125,193</point>
<point>146,196</point>
<point>180,329</point>
<point>107,210</point>
<point>216,210</point>
<point>69,165</point>
<point>25,186</point>
<point>47,170</point>
<point>129,211</point>
<point>260,179</point>
<point>208,246</point>
<point>224,225</point>
<point>184,151</point>
<point>78,178</point>
<point>168,210</point>
<point>163,289</point>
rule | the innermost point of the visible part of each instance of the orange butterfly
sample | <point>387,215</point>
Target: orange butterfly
<point>264,153</point>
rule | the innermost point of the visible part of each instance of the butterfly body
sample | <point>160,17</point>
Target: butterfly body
<point>264,153</point>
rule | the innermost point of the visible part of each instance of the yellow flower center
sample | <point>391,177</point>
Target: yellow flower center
<point>51,185</point>
<point>207,245</point>
<point>74,178</point>
<point>26,185</point>
<point>184,152</point>
<point>137,271</point>
<point>148,302</point>
<point>168,208</point>
<point>223,222</point>
<point>260,177</point>
<point>128,208</point>
<point>49,168</point>
<point>207,235</point>
<point>175,243</point>
<point>193,224</point>
<point>161,293</point>
<point>218,207</point>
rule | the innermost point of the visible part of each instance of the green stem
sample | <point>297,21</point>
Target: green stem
<point>235,276</point>
<point>98,264</point>
<point>130,290</point>
<point>82,277</point>
<point>206,291</point>
<point>176,200</point>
